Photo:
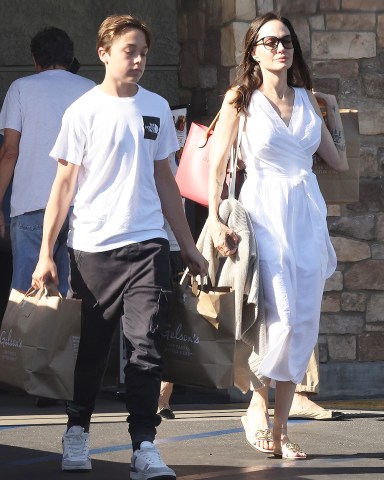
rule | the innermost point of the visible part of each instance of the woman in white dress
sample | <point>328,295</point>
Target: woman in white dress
<point>283,129</point>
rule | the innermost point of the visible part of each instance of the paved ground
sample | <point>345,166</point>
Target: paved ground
<point>204,442</point>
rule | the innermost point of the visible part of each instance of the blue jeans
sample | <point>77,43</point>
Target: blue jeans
<point>26,235</point>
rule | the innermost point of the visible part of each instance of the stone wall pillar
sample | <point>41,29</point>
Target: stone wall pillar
<point>343,43</point>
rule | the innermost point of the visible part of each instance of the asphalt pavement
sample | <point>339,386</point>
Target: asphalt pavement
<point>205,441</point>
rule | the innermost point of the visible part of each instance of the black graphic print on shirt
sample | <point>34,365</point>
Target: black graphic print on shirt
<point>151,127</point>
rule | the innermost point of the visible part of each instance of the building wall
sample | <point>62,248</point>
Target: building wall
<point>343,42</point>
<point>197,45</point>
<point>21,19</point>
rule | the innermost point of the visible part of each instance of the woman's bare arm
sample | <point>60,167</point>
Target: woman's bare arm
<point>332,147</point>
<point>225,135</point>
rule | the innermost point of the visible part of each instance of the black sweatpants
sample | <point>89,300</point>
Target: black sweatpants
<point>131,283</point>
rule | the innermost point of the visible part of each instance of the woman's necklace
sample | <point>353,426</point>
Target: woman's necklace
<point>285,97</point>
<point>282,103</point>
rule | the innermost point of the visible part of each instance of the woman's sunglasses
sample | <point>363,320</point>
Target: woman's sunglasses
<point>271,43</point>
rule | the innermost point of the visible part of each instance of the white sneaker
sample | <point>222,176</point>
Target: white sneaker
<point>146,463</point>
<point>76,450</point>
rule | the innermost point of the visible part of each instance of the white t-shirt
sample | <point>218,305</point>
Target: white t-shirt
<point>115,141</point>
<point>173,245</point>
<point>34,106</point>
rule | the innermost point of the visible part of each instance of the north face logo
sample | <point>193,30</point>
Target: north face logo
<point>151,127</point>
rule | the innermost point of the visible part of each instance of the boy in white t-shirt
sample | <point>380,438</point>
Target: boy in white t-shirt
<point>112,154</point>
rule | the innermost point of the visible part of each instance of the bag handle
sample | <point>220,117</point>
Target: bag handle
<point>233,159</point>
<point>204,138</point>
<point>48,290</point>
<point>194,281</point>
<point>34,296</point>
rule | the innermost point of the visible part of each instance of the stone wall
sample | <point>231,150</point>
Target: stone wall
<point>21,19</point>
<point>343,42</point>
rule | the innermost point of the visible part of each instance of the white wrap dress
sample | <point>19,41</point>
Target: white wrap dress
<point>288,214</point>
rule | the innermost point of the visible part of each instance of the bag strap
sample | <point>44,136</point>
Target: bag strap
<point>204,138</point>
<point>196,282</point>
<point>32,297</point>
<point>48,290</point>
<point>233,159</point>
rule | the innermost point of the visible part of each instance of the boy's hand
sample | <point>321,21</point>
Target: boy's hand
<point>195,262</point>
<point>45,272</point>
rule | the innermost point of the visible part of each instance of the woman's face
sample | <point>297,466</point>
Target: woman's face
<point>274,49</point>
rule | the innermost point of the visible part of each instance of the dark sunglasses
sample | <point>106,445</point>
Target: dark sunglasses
<point>271,43</point>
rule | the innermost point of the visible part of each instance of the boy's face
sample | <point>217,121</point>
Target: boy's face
<point>126,59</point>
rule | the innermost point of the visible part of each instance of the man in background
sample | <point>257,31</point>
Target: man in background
<point>30,121</point>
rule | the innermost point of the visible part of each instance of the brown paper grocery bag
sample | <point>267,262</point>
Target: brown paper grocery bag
<point>342,187</point>
<point>199,346</point>
<point>39,340</point>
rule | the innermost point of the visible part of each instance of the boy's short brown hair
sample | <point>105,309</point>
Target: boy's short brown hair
<point>115,25</point>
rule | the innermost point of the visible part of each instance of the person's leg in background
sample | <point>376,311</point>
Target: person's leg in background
<point>5,252</point>
<point>302,405</point>
<point>26,234</point>
<point>6,272</point>
<point>61,256</point>
<point>163,409</point>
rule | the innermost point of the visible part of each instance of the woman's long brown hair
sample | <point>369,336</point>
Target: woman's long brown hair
<point>250,76</point>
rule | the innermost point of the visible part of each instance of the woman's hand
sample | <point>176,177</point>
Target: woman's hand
<point>225,239</point>
<point>329,102</point>
<point>332,146</point>
<point>325,98</point>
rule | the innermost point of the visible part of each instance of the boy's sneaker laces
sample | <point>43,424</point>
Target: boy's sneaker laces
<point>76,450</point>
<point>147,464</point>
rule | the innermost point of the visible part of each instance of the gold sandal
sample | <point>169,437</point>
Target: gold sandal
<point>260,435</point>
<point>288,448</point>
